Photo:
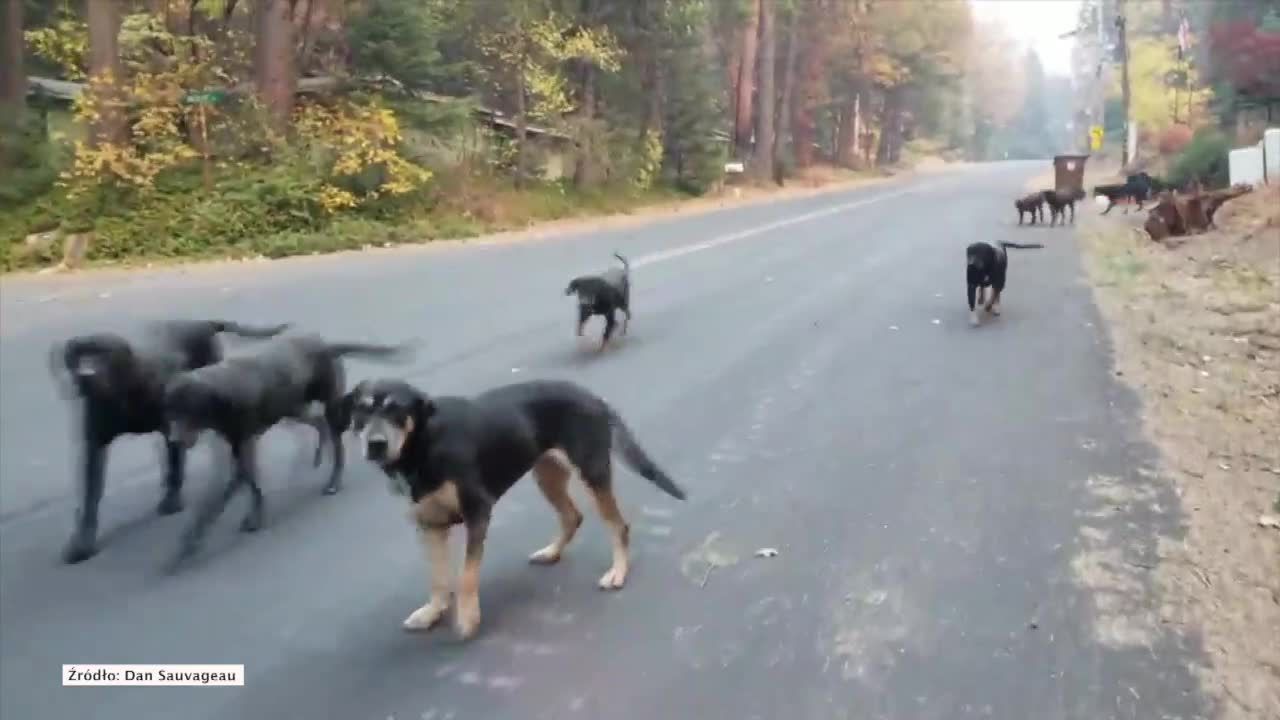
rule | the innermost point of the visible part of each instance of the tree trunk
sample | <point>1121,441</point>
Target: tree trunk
<point>583,170</point>
<point>743,111</point>
<point>104,68</point>
<point>651,121</point>
<point>522,128</point>
<point>783,134</point>
<point>13,77</point>
<point>764,151</point>
<point>276,72</point>
<point>890,128</point>
<point>809,83</point>
<point>847,139</point>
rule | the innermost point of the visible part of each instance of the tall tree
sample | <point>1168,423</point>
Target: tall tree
<point>275,68</point>
<point>743,107</point>
<point>782,138</point>
<point>105,72</point>
<point>13,78</point>
<point>762,165</point>
<point>809,89</point>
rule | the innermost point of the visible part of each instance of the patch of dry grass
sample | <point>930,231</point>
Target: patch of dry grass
<point>1197,333</point>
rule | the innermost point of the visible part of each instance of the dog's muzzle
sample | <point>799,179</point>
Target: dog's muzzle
<point>375,449</point>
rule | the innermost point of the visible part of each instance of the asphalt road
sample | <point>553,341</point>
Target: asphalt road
<point>804,368</point>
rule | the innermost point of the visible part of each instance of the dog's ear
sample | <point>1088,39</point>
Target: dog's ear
<point>423,409</point>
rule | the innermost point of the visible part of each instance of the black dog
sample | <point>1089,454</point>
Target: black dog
<point>242,397</point>
<point>1032,204</point>
<point>603,294</point>
<point>121,388</point>
<point>1137,188</point>
<point>1058,202</point>
<point>988,266</point>
<point>454,457</point>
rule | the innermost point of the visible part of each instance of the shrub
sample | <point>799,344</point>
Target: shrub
<point>1204,160</point>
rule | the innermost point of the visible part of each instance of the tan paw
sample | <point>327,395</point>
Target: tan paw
<point>548,555</point>
<point>425,617</point>
<point>974,319</point>
<point>466,621</point>
<point>613,580</point>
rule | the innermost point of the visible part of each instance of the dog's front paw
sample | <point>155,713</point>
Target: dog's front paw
<point>79,549</point>
<point>332,488</point>
<point>466,621</point>
<point>973,318</point>
<point>994,310</point>
<point>614,579</point>
<point>170,504</point>
<point>425,617</point>
<point>548,555</point>
<point>252,521</point>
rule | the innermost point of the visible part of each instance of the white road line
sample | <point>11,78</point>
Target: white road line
<point>673,253</point>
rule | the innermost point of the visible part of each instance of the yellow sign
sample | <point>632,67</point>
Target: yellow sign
<point>1095,137</point>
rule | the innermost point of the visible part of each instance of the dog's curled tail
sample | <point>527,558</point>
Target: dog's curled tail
<point>625,265</point>
<point>1023,246</point>
<point>634,456</point>
<point>399,352</point>
<point>249,331</point>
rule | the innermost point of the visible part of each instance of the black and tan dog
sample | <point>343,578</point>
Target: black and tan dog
<point>988,267</point>
<point>242,397</point>
<point>455,457</point>
<point>603,294</point>
<point>120,384</point>
<point>1033,205</point>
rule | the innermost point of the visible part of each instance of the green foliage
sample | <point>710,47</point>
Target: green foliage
<point>1203,160</point>
<point>694,159</point>
<point>399,39</point>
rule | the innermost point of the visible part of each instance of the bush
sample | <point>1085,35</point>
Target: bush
<point>1204,160</point>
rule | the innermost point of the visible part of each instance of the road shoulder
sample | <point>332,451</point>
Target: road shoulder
<point>1196,333</point>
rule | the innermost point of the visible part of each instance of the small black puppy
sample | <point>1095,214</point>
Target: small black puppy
<point>242,397</point>
<point>120,385</point>
<point>987,267</point>
<point>603,294</point>
<point>455,457</point>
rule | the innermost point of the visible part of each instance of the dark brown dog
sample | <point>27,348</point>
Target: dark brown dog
<point>1032,204</point>
<point>1059,202</point>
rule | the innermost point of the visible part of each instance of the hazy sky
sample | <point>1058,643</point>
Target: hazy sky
<point>1037,24</point>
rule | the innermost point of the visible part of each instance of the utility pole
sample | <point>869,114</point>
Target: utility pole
<point>1123,47</point>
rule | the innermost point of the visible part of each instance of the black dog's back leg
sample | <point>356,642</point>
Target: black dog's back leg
<point>174,471</point>
<point>246,469</point>
<point>336,423</point>
<point>84,538</point>
<point>209,511</point>
<point>997,287</point>
<point>598,477</point>
<point>609,324</point>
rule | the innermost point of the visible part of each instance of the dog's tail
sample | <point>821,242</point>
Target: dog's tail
<point>634,456</point>
<point>1024,246</point>
<point>249,331</point>
<point>391,353</point>
<point>625,265</point>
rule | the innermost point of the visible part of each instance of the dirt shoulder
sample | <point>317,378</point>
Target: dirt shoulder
<point>1196,332</point>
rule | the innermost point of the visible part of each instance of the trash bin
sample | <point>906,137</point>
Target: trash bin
<point>1068,174</point>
